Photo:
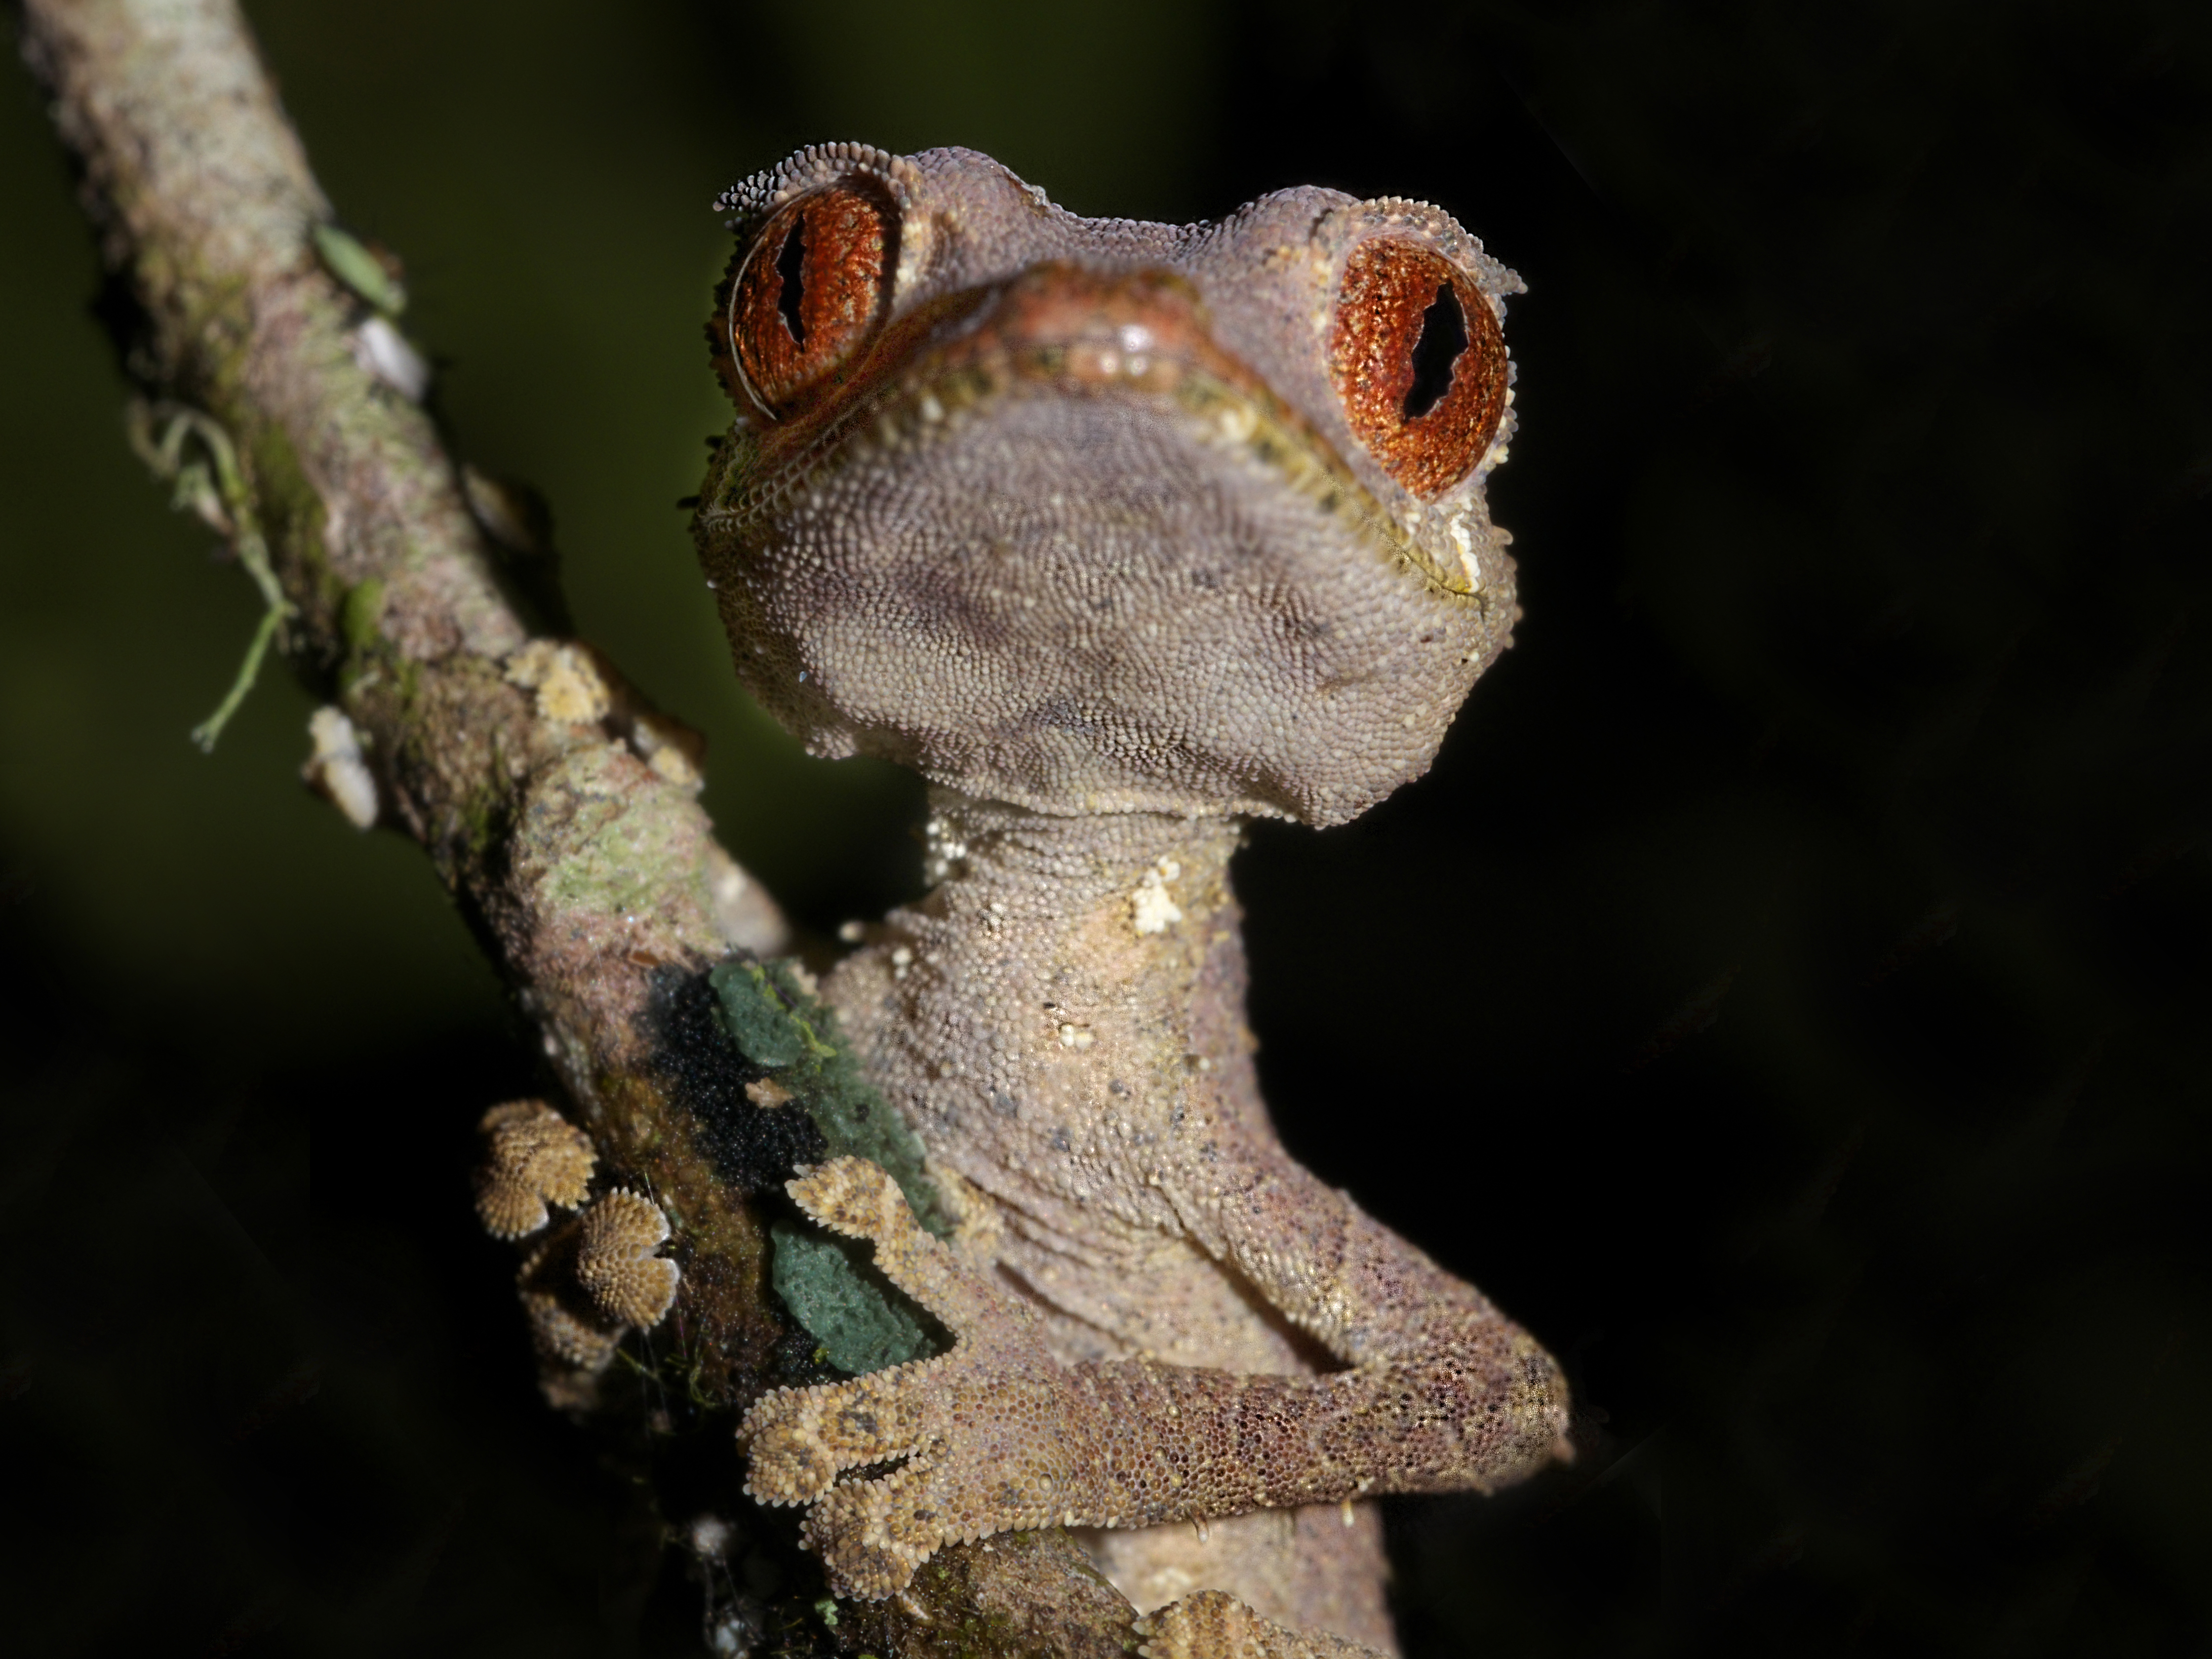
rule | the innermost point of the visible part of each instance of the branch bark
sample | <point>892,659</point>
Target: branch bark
<point>588,873</point>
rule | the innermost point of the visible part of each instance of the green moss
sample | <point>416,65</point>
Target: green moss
<point>831,1287</point>
<point>831,1284</point>
<point>484,818</point>
<point>290,507</point>
<point>778,1027</point>
<point>361,616</point>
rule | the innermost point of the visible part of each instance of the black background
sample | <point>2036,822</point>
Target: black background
<point>1789,994</point>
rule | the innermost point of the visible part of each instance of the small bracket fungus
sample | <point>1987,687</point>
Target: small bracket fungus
<point>616,1263</point>
<point>533,1156</point>
<point>562,1331</point>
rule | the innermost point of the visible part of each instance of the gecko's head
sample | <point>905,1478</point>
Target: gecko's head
<point>1091,515</point>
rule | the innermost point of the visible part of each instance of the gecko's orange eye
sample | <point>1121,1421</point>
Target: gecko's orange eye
<point>810,289</point>
<point>1418,363</point>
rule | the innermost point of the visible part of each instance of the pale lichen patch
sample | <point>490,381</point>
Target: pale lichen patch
<point>1152,908</point>
<point>336,770</point>
<point>570,689</point>
<point>670,748</point>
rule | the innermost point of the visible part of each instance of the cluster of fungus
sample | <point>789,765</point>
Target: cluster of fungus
<point>616,1263</point>
<point>593,1276</point>
<point>563,1325</point>
<point>533,1156</point>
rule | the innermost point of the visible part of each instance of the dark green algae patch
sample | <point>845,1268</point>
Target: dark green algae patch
<point>830,1284</point>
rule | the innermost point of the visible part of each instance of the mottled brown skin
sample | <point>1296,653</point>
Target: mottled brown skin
<point>1121,534</point>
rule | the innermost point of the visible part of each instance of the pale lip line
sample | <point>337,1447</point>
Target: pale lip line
<point>949,375</point>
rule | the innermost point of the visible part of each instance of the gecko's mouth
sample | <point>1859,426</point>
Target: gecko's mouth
<point>1060,330</point>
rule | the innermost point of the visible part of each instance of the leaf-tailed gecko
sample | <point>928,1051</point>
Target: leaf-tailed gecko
<point>1121,534</point>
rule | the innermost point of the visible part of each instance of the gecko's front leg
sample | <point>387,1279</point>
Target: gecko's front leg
<point>997,1435</point>
<point>993,1436</point>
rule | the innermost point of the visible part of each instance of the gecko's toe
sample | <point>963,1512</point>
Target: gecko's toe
<point>852,1196</point>
<point>800,1440</point>
<point>943,1416</point>
<point>872,1535</point>
<point>789,1463</point>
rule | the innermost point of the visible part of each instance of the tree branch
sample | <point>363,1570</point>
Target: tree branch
<point>565,825</point>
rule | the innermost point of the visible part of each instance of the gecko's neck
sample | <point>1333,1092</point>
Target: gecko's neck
<point>1154,873</point>
<point>1068,983</point>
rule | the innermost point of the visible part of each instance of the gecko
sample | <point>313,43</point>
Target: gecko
<point>1122,535</point>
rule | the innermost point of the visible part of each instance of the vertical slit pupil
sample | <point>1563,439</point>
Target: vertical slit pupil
<point>791,266</point>
<point>1444,337</point>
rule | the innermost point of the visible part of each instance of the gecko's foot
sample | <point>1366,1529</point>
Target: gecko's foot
<point>1214,1625</point>
<point>989,1437</point>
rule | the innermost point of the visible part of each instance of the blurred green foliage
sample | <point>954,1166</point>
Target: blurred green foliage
<point>1792,984</point>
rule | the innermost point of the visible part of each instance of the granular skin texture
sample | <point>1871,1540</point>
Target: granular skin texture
<point>1087,534</point>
